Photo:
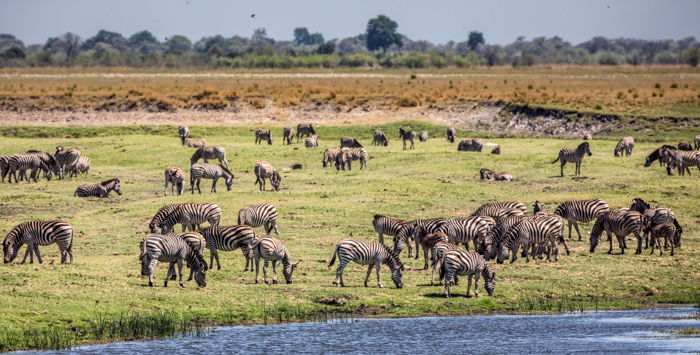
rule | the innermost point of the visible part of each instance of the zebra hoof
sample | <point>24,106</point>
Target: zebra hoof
<point>381,286</point>
<point>150,284</point>
<point>274,282</point>
<point>182,285</point>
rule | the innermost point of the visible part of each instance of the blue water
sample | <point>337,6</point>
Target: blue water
<point>589,332</point>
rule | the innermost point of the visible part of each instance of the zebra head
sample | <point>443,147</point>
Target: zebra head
<point>288,270</point>
<point>112,184</point>
<point>10,247</point>
<point>639,205</point>
<point>586,148</point>
<point>490,282</point>
<point>275,179</point>
<point>418,232</point>
<point>597,231</point>
<point>396,276</point>
<point>199,265</point>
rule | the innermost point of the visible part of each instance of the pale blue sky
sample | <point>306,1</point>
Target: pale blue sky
<point>438,21</point>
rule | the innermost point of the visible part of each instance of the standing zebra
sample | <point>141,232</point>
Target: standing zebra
<point>184,134</point>
<point>581,211</point>
<point>654,216</point>
<point>304,129</point>
<point>264,170</point>
<point>82,166</point>
<point>196,242</point>
<point>380,138</point>
<point>21,162</point>
<point>190,215</point>
<point>35,234</point>
<point>498,212</point>
<point>176,177</point>
<point>48,159</point>
<point>532,232</point>
<point>460,262</point>
<point>439,251</point>
<point>464,230</point>
<point>423,136</point>
<point>568,155</point>
<point>666,231</point>
<point>366,253</point>
<point>287,135</point>
<point>329,155</point>
<point>4,166</point>
<point>407,136</point>
<point>311,142</point>
<point>229,238</point>
<point>349,142</point>
<point>209,171</point>
<point>405,234</point>
<point>263,135</point>
<point>210,152</point>
<point>386,225</point>
<point>65,159</point>
<point>451,134</point>
<point>500,205</point>
<point>621,224</point>
<point>270,248</point>
<point>688,159</point>
<point>697,142</point>
<point>624,146</point>
<point>98,190</point>
<point>346,155</point>
<point>174,250</point>
<point>195,143</point>
<point>493,240</point>
<point>259,215</point>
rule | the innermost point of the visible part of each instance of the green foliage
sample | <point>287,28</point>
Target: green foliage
<point>475,39</point>
<point>381,33</point>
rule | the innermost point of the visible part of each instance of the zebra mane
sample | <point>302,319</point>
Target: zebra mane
<point>225,169</point>
<point>377,216</point>
<point>394,257</point>
<point>107,182</point>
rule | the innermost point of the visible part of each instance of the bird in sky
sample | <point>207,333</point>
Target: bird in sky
<point>252,16</point>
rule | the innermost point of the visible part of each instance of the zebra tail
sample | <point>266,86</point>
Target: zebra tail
<point>556,160</point>
<point>442,269</point>
<point>335,252</point>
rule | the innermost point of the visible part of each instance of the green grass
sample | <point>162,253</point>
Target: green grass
<point>102,297</point>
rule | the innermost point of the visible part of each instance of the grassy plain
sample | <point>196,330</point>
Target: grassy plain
<point>319,207</point>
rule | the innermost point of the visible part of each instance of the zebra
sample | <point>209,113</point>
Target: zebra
<point>47,160</point>
<point>489,246</point>
<point>470,145</point>
<point>311,142</point>
<point>329,155</point>
<point>38,233</point>
<point>683,145</point>
<point>451,134</point>
<point>210,152</point>
<point>568,155</point>
<point>424,240</point>
<point>171,249</point>
<point>439,250</point>
<point>621,224</point>
<point>229,238</point>
<point>657,155</point>
<point>386,225</point>
<point>288,134</point>
<point>346,155</point>
<point>98,190</point>
<point>195,143</point>
<point>209,171</point>
<point>464,230</point>
<point>697,142</point>
<point>4,166</point>
<point>349,142</point>
<point>196,242</point>
<point>625,145</point>
<point>264,170</point>
<point>496,150</point>
<point>176,177</point>
<point>488,174</point>
<point>688,159</point>
<point>498,212</point>
<point>380,138</point>
<point>367,253</point>
<point>501,204</point>
<point>666,231</point>
<point>423,136</point>
<point>259,215</point>
<point>263,135</point>
<point>469,263</point>
<point>65,159</point>
<point>407,136</point>
<point>405,233</point>
<point>655,216</point>
<point>82,166</point>
<point>270,248</point>
<point>575,211</point>
<point>304,129</point>
<point>22,162</point>
<point>184,134</point>
<point>190,215</point>
<point>675,158</point>
<point>531,232</point>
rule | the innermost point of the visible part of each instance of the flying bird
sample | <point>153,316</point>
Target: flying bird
<point>252,16</point>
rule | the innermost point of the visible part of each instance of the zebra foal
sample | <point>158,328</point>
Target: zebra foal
<point>35,234</point>
<point>366,253</point>
<point>176,177</point>
<point>407,136</point>
<point>101,190</point>
<point>209,171</point>
<point>264,170</point>
<point>288,135</point>
<point>263,135</point>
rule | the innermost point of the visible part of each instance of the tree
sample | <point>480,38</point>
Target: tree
<point>302,36</point>
<point>68,45</point>
<point>475,39</point>
<point>113,39</point>
<point>692,55</point>
<point>381,33</point>
<point>178,44</point>
<point>326,48</point>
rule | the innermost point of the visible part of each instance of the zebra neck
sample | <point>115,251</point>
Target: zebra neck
<point>485,272</point>
<point>286,260</point>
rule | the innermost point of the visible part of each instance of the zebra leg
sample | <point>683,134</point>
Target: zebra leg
<point>257,267</point>
<point>38,254</point>
<point>561,167</point>
<point>639,243</point>
<point>171,272</point>
<point>653,244</point>
<point>566,247</point>
<point>213,184</point>
<point>28,252</point>
<point>274,271</point>
<point>447,284</point>
<point>179,271</point>
<point>171,269</point>
<point>611,242</point>
<point>672,244</point>
<point>192,185</point>
<point>265,264</point>
<point>369,272</point>
<point>469,285</point>
<point>569,229</point>
<point>215,256</point>
<point>199,181</point>
<point>425,257</point>
<point>274,224</point>
<point>378,266</point>
<point>577,230</point>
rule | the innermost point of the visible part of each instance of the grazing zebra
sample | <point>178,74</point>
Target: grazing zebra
<point>655,216</point>
<point>263,135</point>
<point>386,225</point>
<point>196,143</point>
<point>451,134</point>
<point>657,155</point>
<point>423,136</point>
<point>210,152</point>
<point>405,233</point>
<point>501,204</point>
<point>424,240</point>
<point>697,142</point>
<point>674,158</point>
<point>209,171</point>
<point>82,166</point>
<point>531,232</point>
<point>329,155</point>
<point>624,146</point>
<point>176,177</point>
<point>488,174</point>
<point>98,190</point>
<point>688,159</point>
<point>407,136</point>
<point>498,212</point>
<point>288,134</point>
<point>346,155</point>
<point>196,242</point>
<point>22,162</point>
<point>264,170</point>
<point>683,145</point>
<point>35,234</point>
<point>366,253</point>
<point>65,159</point>
<point>4,166</point>
<point>304,129</point>
<point>311,142</point>
<point>621,224</point>
<point>270,248</point>
<point>259,215</point>
<point>349,142</point>
<point>230,238</point>
<point>489,246</point>
<point>439,250</point>
<point>568,155</point>
<point>581,211</point>
<point>666,231</point>
<point>184,134</point>
<point>190,215</point>
<point>174,250</point>
<point>470,145</point>
<point>380,138</point>
<point>469,263</point>
<point>464,230</point>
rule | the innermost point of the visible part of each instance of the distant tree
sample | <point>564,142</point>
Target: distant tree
<point>381,33</point>
<point>67,45</point>
<point>178,44</point>
<point>113,39</point>
<point>491,54</point>
<point>352,44</point>
<point>692,56</point>
<point>301,35</point>
<point>316,38</point>
<point>259,37</point>
<point>326,48</point>
<point>215,51</point>
<point>475,39</point>
<point>139,38</point>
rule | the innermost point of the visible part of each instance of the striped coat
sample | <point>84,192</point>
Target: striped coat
<point>4,166</point>
<point>498,212</point>
<point>621,224</point>
<point>379,138</point>
<point>469,263</point>
<point>176,177</point>
<point>624,146</point>
<point>439,251</point>
<point>311,142</point>
<point>470,145</point>
<point>82,166</point>
<point>493,240</point>
<point>209,171</point>
<point>259,215</point>
<point>488,174</point>
<point>263,135</point>
<point>568,155</point>
<point>500,204</point>
<point>173,250</point>
<point>196,142</point>
<point>532,232</point>
<point>210,152</point>
<point>65,159</point>
<point>405,234</point>
<point>305,129</point>
<point>190,215</point>
<point>654,216</point>
<point>371,254</point>
<point>273,249</point>
<point>407,136</point>
<point>349,142</point>
<point>451,134</point>
<point>23,162</point>
<point>666,231</point>
<point>423,136</point>
<point>98,190</point>
<point>35,234</point>
<point>196,242</point>
<point>347,155</point>
<point>386,225</point>
<point>264,170</point>
<point>184,133</point>
<point>581,211</point>
<point>697,142</point>
<point>329,155</point>
<point>229,238</point>
<point>288,134</point>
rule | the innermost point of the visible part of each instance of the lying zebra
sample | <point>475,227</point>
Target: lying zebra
<point>101,190</point>
<point>488,174</point>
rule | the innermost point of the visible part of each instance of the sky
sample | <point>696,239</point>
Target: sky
<point>439,21</point>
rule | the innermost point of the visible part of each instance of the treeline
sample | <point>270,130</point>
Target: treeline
<point>381,45</point>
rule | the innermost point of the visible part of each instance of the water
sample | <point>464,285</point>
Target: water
<point>589,332</point>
